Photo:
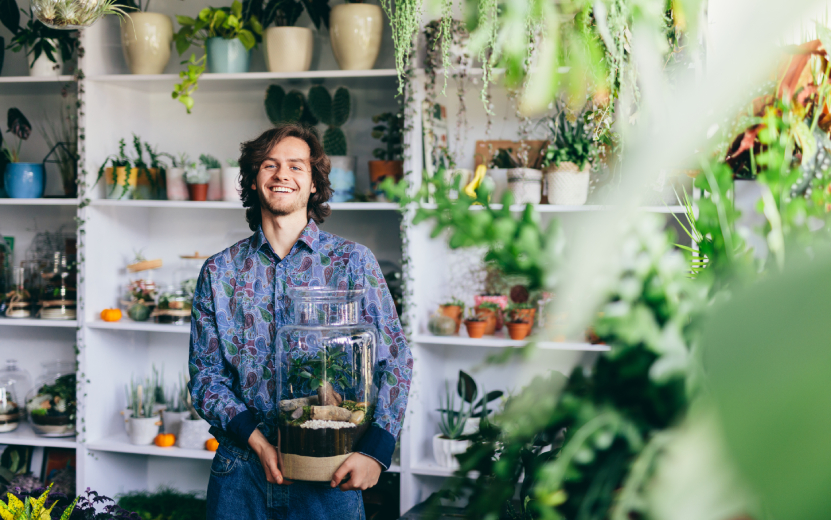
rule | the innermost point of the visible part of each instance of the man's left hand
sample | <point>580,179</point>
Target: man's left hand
<point>363,473</point>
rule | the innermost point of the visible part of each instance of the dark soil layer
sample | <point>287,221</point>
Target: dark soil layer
<point>325,442</point>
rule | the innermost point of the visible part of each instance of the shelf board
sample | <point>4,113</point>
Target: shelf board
<point>39,202</point>
<point>552,208</point>
<point>35,322</point>
<point>121,444</point>
<point>25,436</point>
<point>498,340</point>
<point>186,204</point>
<point>138,326</point>
<point>431,469</point>
<point>34,84</point>
<point>249,80</point>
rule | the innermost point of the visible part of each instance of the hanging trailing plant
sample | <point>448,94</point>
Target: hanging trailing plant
<point>405,20</point>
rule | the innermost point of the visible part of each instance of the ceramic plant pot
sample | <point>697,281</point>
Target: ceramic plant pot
<point>499,176</point>
<point>177,188</point>
<point>455,313</point>
<point>380,170</point>
<point>43,66</point>
<point>193,433</point>
<point>148,183</point>
<point>215,184</point>
<point>119,183</point>
<point>526,185</point>
<point>145,40</point>
<point>288,49</point>
<point>471,426</point>
<point>198,192</point>
<point>518,331</point>
<point>342,177</point>
<point>491,318</point>
<point>172,421</point>
<point>475,329</point>
<point>144,429</point>
<point>567,185</point>
<point>24,180</point>
<point>230,184</point>
<point>227,56</point>
<point>445,451</point>
<point>355,32</point>
<point>127,413</point>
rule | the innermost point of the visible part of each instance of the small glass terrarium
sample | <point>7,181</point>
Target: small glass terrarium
<point>173,306</point>
<point>139,295</point>
<point>14,382</point>
<point>330,393</point>
<point>51,402</point>
<point>188,272</point>
<point>58,298</point>
<point>18,300</point>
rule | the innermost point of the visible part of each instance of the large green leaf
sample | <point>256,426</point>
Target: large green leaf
<point>10,15</point>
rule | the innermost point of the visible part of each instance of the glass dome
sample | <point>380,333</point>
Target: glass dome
<point>72,14</point>
<point>173,306</point>
<point>330,392</point>
<point>51,402</point>
<point>14,383</point>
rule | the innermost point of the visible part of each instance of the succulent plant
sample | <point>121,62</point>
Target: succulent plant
<point>287,108</point>
<point>333,112</point>
<point>389,128</point>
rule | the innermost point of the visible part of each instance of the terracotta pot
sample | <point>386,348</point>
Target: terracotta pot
<point>491,319</point>
<point>475,329</point>
<point>454,312</point>
<point>525,315</point>
<point>518,331</point>
<point>380,170</point>
<point>355,32</point>
<point>198,192</point>
<point>288,49</point>
<point>120,185</point>
<point>145,40</point>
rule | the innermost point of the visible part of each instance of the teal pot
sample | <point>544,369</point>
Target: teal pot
<point>227,56</point>
<point>342,177</point>
<point>24,180</point>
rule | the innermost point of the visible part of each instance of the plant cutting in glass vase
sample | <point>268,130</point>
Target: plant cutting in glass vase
<point>227,35</point>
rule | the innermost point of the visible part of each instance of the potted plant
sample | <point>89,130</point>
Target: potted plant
<point>475,325</point>
<point>454,309</point>
<point>131,176</point>
<point>524,183</point>
<point>230,181</point>
<point>214,169</point>
<point>197,177</point>
<point>174,305</point>
<point>177,408</point>
<point>492,314</point>
<point>21,180</point>
<point>144,421</point>
<point>177,188</point>
<point>61,137</point>
<point>73,14</point>
<point>468,390</point>
<point>227,37</point>
<point>145,38</point>
<point>46,49</point>
<point>288,48</point>
<point>569,158</point>
<point>291,107</point>
<point>440,324</point>
<point>355,31</point>
<point>333,111</point>
<point>518,327</point>
<point>389,128</point>
<point>452,421</point>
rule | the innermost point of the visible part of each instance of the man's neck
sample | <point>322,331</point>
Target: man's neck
<point>283,231</point>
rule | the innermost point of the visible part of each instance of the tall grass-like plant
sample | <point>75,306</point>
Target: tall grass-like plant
<point>452,420</point>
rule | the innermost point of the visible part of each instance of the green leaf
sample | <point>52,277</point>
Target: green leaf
<point>185,20</point>
<point>236,9</point>
<point>247,39</point>
<point>305,375</point>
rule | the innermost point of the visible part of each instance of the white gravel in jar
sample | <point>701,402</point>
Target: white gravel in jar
<point>335,425</point>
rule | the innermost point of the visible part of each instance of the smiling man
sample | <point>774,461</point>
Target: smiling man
<point>239,305</point>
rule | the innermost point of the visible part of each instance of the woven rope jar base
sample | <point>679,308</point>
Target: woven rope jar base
<point>313,469</point>
<point>566,185</point>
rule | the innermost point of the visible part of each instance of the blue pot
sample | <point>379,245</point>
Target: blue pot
<point>342,178</point>
<point>227,56</point>
<point>24,180</point>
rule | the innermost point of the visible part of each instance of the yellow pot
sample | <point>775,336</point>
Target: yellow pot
<point>121,185</point>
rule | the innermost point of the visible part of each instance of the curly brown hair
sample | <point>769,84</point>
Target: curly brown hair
<point>254,152</point>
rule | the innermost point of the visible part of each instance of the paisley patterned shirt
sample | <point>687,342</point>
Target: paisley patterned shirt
<point>239,305</point>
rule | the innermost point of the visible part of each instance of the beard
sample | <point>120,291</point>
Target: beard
<point>278,209</point>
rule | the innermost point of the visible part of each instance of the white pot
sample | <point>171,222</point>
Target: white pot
<point>144,429</point>
<point>230,184</point>
<point>145,40</point>
<point>193,433</point>
<point>499,176</point>
<point>566,185</point>
<point>342,177</point>
<point>43,66</point>
<point>445,451</point>
<point>525,184</point>
<point>172,421</point>
<point>471,426</point>
<point>355,32</point>
<point>215,184</point>
<point>288,49</point>
<point>177,188</point>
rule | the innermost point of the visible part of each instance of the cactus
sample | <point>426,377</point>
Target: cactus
<point>332,112</point>
<point>287,108</point>
<point>388,129</point>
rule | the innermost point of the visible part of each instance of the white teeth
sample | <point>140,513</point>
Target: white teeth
<point>281,189</point>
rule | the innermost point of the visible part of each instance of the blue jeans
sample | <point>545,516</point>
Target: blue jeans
<point>238,490</point>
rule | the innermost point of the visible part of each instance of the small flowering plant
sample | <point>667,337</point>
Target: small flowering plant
<point>196,173</point>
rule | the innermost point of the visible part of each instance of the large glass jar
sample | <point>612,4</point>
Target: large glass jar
<point>5,273</point>
<point>51,402</point>
<point>188,272</point>
<point>329,394</point>
<point>14,383</point>
<point>173,306</point>
<point>19,299</point>
<point>138,298</point>
<point>58,298</point>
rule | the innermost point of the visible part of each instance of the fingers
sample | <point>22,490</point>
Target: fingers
<point>344,470</point>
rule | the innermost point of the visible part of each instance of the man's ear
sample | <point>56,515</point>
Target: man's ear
<point>314,188</point>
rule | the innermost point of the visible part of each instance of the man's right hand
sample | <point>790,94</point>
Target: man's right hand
<point>269,457</point>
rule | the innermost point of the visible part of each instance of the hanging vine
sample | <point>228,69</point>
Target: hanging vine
<point>405,20</point>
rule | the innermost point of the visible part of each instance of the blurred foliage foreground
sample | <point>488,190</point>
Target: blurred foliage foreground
<point>713,402</point>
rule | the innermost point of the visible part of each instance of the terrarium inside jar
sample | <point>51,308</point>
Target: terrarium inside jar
<point>18,300</point>
<point>330,393</point>
<point>173,306</point>
<point>58,297</point>
<point>14,382</point>
<point>51,402</point>
<point>139,296</point>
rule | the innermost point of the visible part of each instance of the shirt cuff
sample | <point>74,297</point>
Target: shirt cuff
<point>242,426</point>
<point>378,444</point>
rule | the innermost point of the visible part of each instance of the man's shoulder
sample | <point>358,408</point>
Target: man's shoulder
<point>230,256</point>
<point>336,245</point>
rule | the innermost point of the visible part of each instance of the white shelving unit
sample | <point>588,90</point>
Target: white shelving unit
<point>229,110</point>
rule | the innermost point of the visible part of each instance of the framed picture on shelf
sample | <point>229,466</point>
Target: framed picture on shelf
<point>55,460</point>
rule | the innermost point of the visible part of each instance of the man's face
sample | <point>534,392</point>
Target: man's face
<point>284,182</point>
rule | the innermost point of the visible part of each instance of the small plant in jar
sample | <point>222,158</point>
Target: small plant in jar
<point>174,306</point>
<point>140,293</point>
<point>51,406</point>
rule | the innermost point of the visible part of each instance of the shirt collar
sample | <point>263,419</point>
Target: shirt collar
<point>310,236</point>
